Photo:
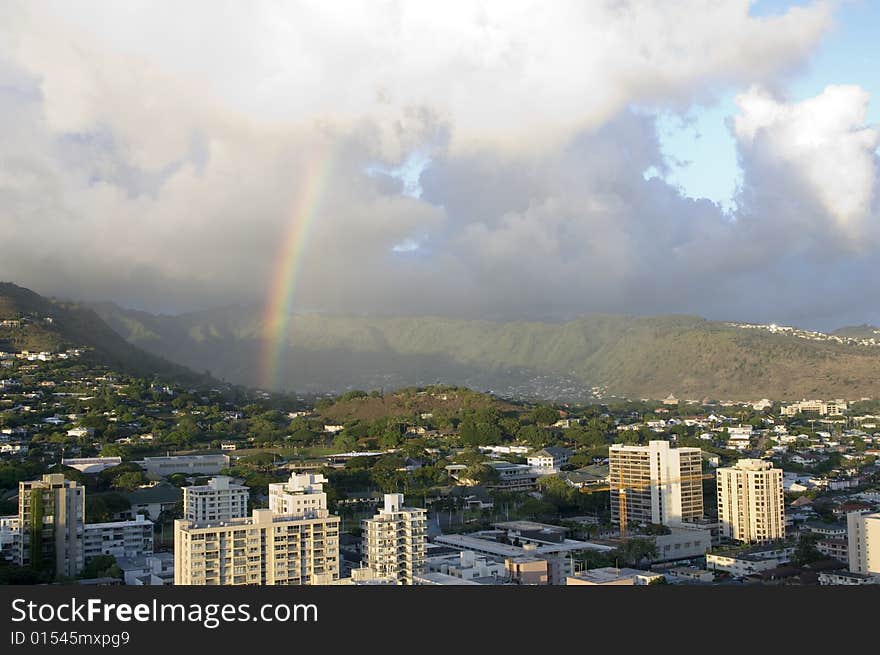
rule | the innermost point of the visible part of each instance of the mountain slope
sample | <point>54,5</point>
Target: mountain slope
<point>46,325</point>
<point>633,356</point>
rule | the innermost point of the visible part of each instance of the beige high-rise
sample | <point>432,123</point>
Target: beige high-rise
<point>395,540</point>
<point>662,484</point>
<point>863,542</point>
<point>263,549</point>
<point>751,506</point>
<point>51,515</point>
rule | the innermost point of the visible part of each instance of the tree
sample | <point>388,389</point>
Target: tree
<point>634,551</point>
<point>806,551</point>
<point>101,566</point>
<point>129,481</point>
<point>482,474</point>
<point>545,415</point>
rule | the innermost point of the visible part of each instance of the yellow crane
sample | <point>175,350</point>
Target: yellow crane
<point>624,486</point>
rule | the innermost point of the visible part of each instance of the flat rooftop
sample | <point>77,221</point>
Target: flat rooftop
<point>476,544</point>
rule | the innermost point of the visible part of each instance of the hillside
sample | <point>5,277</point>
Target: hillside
<point>39,324</point>
<point>623,355</point>
<point>859,332</point>
<point>438,400</point>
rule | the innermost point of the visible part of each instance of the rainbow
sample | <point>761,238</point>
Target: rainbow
<point>286,270</point>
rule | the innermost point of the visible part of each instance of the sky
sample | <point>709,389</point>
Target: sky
<point>507,160</point>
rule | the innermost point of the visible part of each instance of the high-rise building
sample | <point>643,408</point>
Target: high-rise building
<point>218,500</point>
<point>301,495</point>
<point>751,507</point>
<point>394,540</point>
<point>51,516</point>
<point>662,484</point>
<point>863,542</point>
<point>263,549</point>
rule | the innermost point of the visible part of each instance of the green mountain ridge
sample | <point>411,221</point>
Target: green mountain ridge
<point>633,356</point>
<point>74,325</point>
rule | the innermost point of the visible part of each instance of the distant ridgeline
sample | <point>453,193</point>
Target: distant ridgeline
<point>594,356</point>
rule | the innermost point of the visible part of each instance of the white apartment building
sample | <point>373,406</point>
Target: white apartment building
<point>302,495</point>
<point>394,540</point>
<point>740,432</point>
<point>52,511</point>
<point>820,407</point>
<point>863,537</point>
<point>751,507</point>
<point>548,461</point>
<point>263,549</point>
<point>218,500</point>
<point>466,565</point>
<point>662,484</point>
<point>118,538</point>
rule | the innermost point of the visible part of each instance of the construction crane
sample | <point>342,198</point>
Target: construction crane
<point>639,486</point>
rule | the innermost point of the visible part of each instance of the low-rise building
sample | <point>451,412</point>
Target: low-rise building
<point>549,461</point>
<point>118,538</point>
<point>467,565</point>
<point>188,464</point>
<point>90,465</point>
<point>847,578</point>
<point>147,570</point>
<point>610,576</point>
<point>688,575</point>
<point>749,562</point>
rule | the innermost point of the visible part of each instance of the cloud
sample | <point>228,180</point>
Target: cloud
<point>822,141</point>
<point>157,156</point>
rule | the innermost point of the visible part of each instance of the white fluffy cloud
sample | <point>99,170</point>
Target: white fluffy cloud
<point>823,140</point>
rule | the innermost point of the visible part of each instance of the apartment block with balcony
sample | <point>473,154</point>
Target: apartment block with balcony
<point>751,506</point>
<point>218,500</point>
<point>263,549</point>
<point>118,538</point>
<point>51,515</point>
<point>662,484</point>
<point>394,540</point>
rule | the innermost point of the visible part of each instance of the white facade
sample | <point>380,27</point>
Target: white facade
<point>751,506</point>
<point>662,484</point>
<point>548,460</point>
<point>820,407</point>
<point>466,565</point>
<point>394,540</point>
<point>302,495</point>
<point>118,538</point>
<point>219,500</point>
<point>91,465</point>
